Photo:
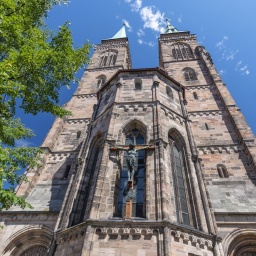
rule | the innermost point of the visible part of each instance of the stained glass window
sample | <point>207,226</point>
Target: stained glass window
<point>179,184</point>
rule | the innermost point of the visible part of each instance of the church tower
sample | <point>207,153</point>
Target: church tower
<point>153,161</point>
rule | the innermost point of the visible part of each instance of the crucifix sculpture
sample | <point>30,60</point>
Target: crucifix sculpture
<point>131,158</point>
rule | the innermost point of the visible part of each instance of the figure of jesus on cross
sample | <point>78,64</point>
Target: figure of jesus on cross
<point>131,158</point>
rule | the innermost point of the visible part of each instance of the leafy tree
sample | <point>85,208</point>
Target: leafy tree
<point>34,64</point>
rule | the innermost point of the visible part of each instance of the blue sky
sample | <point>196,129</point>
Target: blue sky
<point>226,28</point>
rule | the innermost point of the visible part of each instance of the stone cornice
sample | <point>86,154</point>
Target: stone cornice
<point>200,86</point>
<point>220,148</point>
<point>126,228</point>
<point>85,95</point>
<point>59,151</point>
<point>183,36</point>
<point>206,112</point>
<point>104,68</point>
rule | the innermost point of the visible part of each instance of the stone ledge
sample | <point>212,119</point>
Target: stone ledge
<point>126,228</point>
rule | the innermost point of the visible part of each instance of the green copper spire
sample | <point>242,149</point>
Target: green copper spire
<point>120,34</point>
<point>170,28</point>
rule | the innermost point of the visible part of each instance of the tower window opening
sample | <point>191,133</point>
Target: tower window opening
<point>66,173</point>
<point>207,126</point>
<point>189,74</point>
<point>195,95</point>
<point>138,84</point>
<point>100,81</point>
<point>182,51</point>
<point>108,58</point>
<point>169,92</point>
<point>222,171</point>
<point>78,134</point>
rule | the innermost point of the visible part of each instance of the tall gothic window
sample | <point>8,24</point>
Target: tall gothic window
<point>108,58</point>
<point>134,137</point>
<point>179,182</point>
<point>182,51</point>
<point>189,74</point>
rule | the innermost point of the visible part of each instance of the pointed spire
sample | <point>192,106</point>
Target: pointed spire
<point>170,28</point>
<point>120,34</point>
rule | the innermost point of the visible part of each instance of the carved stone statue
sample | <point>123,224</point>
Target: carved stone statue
<point>131,158</point>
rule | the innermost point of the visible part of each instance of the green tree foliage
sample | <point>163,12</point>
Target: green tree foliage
<point>34,64</point>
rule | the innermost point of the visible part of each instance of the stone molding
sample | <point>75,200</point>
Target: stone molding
<point>102,69</point>
<point>113,42</point>
<point>125,229</point>
<point>172,115</point>
<point>78,120</point>
<point>135,106</point>
<point>215,149</point>
<point>206,113</point>
<point>193,87</point>
<point>28,237</point>
<point>92,95</point>
<point>188,37</point>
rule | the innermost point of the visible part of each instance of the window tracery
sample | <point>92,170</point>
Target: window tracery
<point>181,51</point>
<point>35,251</point>
<point>108,58</point>
<point>179,178</point>
<point>189,74</point>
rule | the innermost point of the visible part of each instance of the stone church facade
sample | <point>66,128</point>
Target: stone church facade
<point>193,190</point>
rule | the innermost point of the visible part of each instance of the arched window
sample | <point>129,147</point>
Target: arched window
<point>89,181</point>
<point>100,81</point>
<point>138,84</point>
<point>222,171</point>
<point>195,95</point>
<point>108,58</point>
<point>169,92</point>
<point>134,137</point>
<point>182,51</point>
<point>189,74</point>
<point>179,178</point>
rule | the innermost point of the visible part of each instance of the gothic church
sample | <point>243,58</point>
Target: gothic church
<point>153,162</point>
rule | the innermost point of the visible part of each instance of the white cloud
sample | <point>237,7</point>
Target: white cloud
<point>180,19</point>
<point>136,6</point>
<point>151,44</point>
<point>238,64</point>
<point>222,72</point>
<point>140,33</point>
<point>221,43</point>
<point>140,41</point>
<point>230,55</point>
<point>152,18</point>
<point>127,24</point>
<point>127,1</point>
<point>244,70</point>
